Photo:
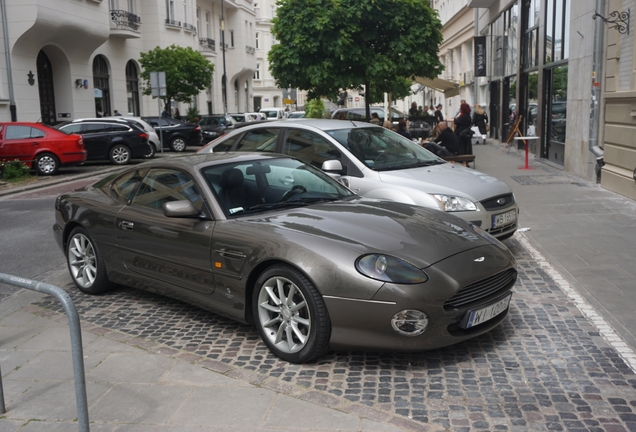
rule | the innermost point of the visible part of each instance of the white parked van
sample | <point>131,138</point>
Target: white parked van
<point>274,113</point>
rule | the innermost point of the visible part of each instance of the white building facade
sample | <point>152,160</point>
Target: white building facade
<point>80,58</point>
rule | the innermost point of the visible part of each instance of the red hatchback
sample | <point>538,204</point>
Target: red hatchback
<point>40,147</point>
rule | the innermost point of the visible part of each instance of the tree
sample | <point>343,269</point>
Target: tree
<point>328,45</point>
<point>187,71</point>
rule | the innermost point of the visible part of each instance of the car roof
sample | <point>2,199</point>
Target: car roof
<point>198,161</point>
<point>322,124</point>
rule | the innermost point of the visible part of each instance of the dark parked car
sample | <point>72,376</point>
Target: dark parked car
<point>360,114</point>
<point>107,140</point>
<point>40,146</point>
<point>176,134</point>
<point>269,240</point>
<point>215,125</point>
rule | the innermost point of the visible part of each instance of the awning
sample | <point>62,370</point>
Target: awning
<point>449,88</point>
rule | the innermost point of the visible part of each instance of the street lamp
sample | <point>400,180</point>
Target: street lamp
<point>224,78</point>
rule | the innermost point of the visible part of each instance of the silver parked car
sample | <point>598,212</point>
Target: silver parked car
<point>270,240</point>
<point>377,163</point>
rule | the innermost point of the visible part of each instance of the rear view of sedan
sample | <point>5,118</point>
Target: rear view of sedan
<point>269,240</point>
<point>40,147</point>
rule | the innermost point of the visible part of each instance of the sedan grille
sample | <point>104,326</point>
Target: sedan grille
<point>484,288</point>
<point>494,203</point>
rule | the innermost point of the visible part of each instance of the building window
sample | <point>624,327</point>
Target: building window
<point>208,27</point>
<point>132,88</point>
<point>231,38</point>
<point>257,45</point>
<point>557,31</point>
<point>170,9</point>
<point>185,11</point>
<point>272,11</point>
<point>257,74</point>
<point>530,55</point>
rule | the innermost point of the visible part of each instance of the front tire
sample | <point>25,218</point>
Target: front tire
<point>178,144</point>
<point>120,154</point>
<point>46,164</point>
<point>290,315</point>
<point>85,263</point>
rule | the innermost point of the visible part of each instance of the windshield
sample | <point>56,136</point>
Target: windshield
<point>250,187</point>
<point>383,150</point>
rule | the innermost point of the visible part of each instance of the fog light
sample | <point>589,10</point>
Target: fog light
<point>409,322</point>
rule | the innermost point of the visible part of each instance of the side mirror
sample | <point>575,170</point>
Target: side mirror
<point>332,166</point>
<point>180,209</point>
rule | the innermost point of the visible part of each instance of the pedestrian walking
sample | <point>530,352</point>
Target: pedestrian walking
<point>480,118</point>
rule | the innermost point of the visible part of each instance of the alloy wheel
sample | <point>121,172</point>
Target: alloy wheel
<point>82,260</point>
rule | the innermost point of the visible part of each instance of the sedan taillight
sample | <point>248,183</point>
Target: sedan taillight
<point>144,135</point>
<point>197,129</point>
<point>80,141</point>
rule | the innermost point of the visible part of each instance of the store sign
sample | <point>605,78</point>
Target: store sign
<point>480,56</point>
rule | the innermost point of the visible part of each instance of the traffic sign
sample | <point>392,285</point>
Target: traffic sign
<point>288,101</point>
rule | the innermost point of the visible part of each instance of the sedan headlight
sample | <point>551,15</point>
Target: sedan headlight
<point>389,269</point>
<point>453,203</point>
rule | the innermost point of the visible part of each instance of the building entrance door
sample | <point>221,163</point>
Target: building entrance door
<point>555,109</point>
<point>45,85</point>
<point>494,115</point>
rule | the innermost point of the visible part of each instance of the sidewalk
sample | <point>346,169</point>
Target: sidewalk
<point>586,232</point>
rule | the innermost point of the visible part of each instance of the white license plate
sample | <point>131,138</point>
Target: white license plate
<point>504,218</point>
<point>482,315</point>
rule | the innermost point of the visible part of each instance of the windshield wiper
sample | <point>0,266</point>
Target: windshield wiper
<point>277,205</point>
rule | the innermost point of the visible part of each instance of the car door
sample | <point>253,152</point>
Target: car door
<point>96,140</point>
<point>20,142</point>
<point>172,252</point>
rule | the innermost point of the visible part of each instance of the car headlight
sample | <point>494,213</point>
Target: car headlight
<point>453,203</point>
<point>389,269</point>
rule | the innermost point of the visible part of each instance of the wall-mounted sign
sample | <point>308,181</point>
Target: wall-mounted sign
<point>63,115</point>
<point>480,56</point>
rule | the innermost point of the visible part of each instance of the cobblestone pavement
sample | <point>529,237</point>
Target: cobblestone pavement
<point>545,368</point>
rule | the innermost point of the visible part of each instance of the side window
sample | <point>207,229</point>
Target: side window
<point>163,185</point>
<point>18,132</point>
<point>125,186</point>
<point>72,128</point>
<point>226,145</point>
<point>37,133</point>
<point>310,147</point>
<point>356,115</point>
<point>259,140</point>
<point>119,128</point>
<point>164,122</point>
<point>93,127</point>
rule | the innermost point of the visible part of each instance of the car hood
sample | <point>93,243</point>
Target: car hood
<point>418,235</point>
<point>449,179</point>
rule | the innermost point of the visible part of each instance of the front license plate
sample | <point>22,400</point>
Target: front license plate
<point>482,315</point>
<point>504,218</point>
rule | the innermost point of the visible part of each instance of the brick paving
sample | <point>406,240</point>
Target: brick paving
<point>546,367</point>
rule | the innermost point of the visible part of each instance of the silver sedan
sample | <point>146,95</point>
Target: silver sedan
<point>269,240</point>
<point>378,163</point>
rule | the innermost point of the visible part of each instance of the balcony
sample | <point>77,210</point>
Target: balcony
<point>124,24</point>
<point>173,23</point>
<point>189,27</point>
<point>250,50</point>
<point>207,46</point>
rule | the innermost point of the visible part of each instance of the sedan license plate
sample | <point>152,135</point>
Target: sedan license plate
<point>504,218</point>
<point>476,317</point>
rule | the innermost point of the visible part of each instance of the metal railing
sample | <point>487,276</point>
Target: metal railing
<point>250,50</point>
<point>190,27</point>
<point>207,44</point>
<point>173,23</point>
<point>76,342</point>
<point>125,20</point>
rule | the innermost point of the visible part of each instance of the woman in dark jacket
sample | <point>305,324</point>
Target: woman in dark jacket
<point>480,119</point>
<point>463,122</point>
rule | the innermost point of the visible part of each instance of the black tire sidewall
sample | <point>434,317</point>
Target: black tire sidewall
<point>319,334</point>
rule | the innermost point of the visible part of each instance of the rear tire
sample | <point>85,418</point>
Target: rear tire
<point>46,164</point>
<point>152,152</point>
<point>85,263</point>
<point>120,154</point>
<point>178,144</point>
<point>290,315</point>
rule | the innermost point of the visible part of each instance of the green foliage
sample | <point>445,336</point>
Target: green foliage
<point>193,113</point>
<point>15,171</point>
<point>315,108</point>
<point>328,45</point>
<point>187,71</point>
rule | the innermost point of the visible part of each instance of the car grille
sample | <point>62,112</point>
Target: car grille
<point>484,288</point>
<point>492,204</point>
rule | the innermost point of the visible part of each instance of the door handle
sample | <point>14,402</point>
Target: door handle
<point>126,226</point>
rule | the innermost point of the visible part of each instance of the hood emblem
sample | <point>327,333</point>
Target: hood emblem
<point>480,259</point>
<point>501,201</point>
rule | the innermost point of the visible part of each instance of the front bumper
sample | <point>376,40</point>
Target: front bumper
<point>366,324</point>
